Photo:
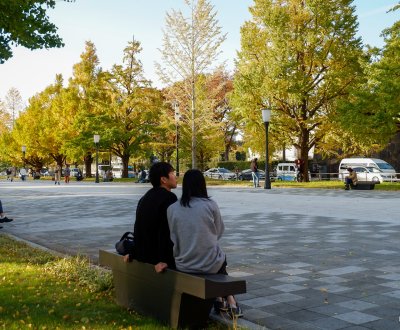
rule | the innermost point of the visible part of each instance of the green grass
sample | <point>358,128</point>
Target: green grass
<point>41,291</point>
<point>388,186</point>
<point>395,186</point>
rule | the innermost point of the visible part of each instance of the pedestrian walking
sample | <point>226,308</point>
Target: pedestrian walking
<point>67,173</point>
<point>57,174</point>
<point>8,172</point>
<point>255,173</point>
<point>22,173</point>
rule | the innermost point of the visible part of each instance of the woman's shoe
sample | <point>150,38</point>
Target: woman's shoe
<point>235,311</point>
<point>220,306</point>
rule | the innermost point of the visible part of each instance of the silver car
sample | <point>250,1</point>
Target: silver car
<point>371,174</point>
<point>220,173</point>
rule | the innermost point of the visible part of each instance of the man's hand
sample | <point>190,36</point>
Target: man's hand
<point>126,258</point>
<point>160,267</point>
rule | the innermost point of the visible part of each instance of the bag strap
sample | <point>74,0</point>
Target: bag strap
<point>126,235</point>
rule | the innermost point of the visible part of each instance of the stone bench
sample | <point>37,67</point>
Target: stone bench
<point>179,299</point>
<point>364,185</point>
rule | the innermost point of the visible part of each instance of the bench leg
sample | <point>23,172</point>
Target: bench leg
<point>180,310</point>
<point>193,312</point>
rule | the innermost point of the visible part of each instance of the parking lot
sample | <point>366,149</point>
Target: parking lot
<point>312,259</point>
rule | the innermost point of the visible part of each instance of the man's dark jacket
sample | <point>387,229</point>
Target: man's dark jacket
<point>152,237</point>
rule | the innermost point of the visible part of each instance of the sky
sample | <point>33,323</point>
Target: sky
<point>111,24</point>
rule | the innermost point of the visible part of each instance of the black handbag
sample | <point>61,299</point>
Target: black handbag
<point>126,244</point>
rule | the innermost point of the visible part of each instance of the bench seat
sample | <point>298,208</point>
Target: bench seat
<point>364,185</point>
<point>176,298</point>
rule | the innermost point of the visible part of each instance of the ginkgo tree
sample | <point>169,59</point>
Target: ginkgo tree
<point>38,129</point>
<point>191,45</point>
<point>128,120</point>
<point>86,89</point>
<point>299,58</point>
<point>214,125</point>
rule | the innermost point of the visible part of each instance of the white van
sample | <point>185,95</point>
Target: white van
<point>373,163</point>
<point>117,172</point>
<point>287,172</point>
<point>103,169</point>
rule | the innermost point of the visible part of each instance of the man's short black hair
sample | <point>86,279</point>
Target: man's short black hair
<point>159,170</point>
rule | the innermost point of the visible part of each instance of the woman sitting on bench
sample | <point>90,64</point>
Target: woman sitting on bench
<point>195,226</point>
<point>351,179</point>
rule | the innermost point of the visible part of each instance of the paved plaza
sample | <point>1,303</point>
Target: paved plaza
<point>312,259</point>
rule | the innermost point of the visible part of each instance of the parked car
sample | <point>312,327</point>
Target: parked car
<point>44,172</point>
<point>220,173</point>
<point>246,175</point>
<point>369,173</point>
<point>131,172</point>
<point>74,172</point>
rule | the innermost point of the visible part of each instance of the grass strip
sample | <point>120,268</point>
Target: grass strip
<point>41,291</point>
<point>334,184</point>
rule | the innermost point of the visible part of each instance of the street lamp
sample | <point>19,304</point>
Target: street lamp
<point>23,148</point>
<point>266,115</point>
<point>96,139</point>
<point>177,117</point>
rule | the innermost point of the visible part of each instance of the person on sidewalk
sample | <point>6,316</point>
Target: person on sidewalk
<point>151,233</point>
<point>3,218</point>
<point>67,174</point>
<point>23,173</point>
<point>142,178</point>
<point>57,174</point>
<point>254,172</point>
<point>196,226</point>
<point>351,179</point>
<point>13,171</point>
<point>8,172</point>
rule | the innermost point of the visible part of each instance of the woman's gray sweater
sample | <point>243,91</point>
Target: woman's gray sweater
<point>195,231</point>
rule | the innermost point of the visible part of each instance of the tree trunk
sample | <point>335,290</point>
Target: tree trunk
<point>305,136</point>
<point>88,164</point>
<point>284,152</point>
<point>125,163</point>
<point>228,143</point>
<point>226,152</point>
<point>194,165</point>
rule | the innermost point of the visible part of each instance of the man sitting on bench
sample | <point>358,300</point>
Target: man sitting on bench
<point>151,232</point>
<point>351,179</point>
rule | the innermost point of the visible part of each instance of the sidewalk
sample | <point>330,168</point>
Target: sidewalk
<point>312,259</point>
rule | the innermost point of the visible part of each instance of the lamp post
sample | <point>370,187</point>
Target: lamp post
<point>23,148</point>
<point>176,109</point>
<point>266,115</point>
<point>96,139</point>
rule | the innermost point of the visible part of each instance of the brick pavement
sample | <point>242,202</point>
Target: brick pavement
<point>312,259</point>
